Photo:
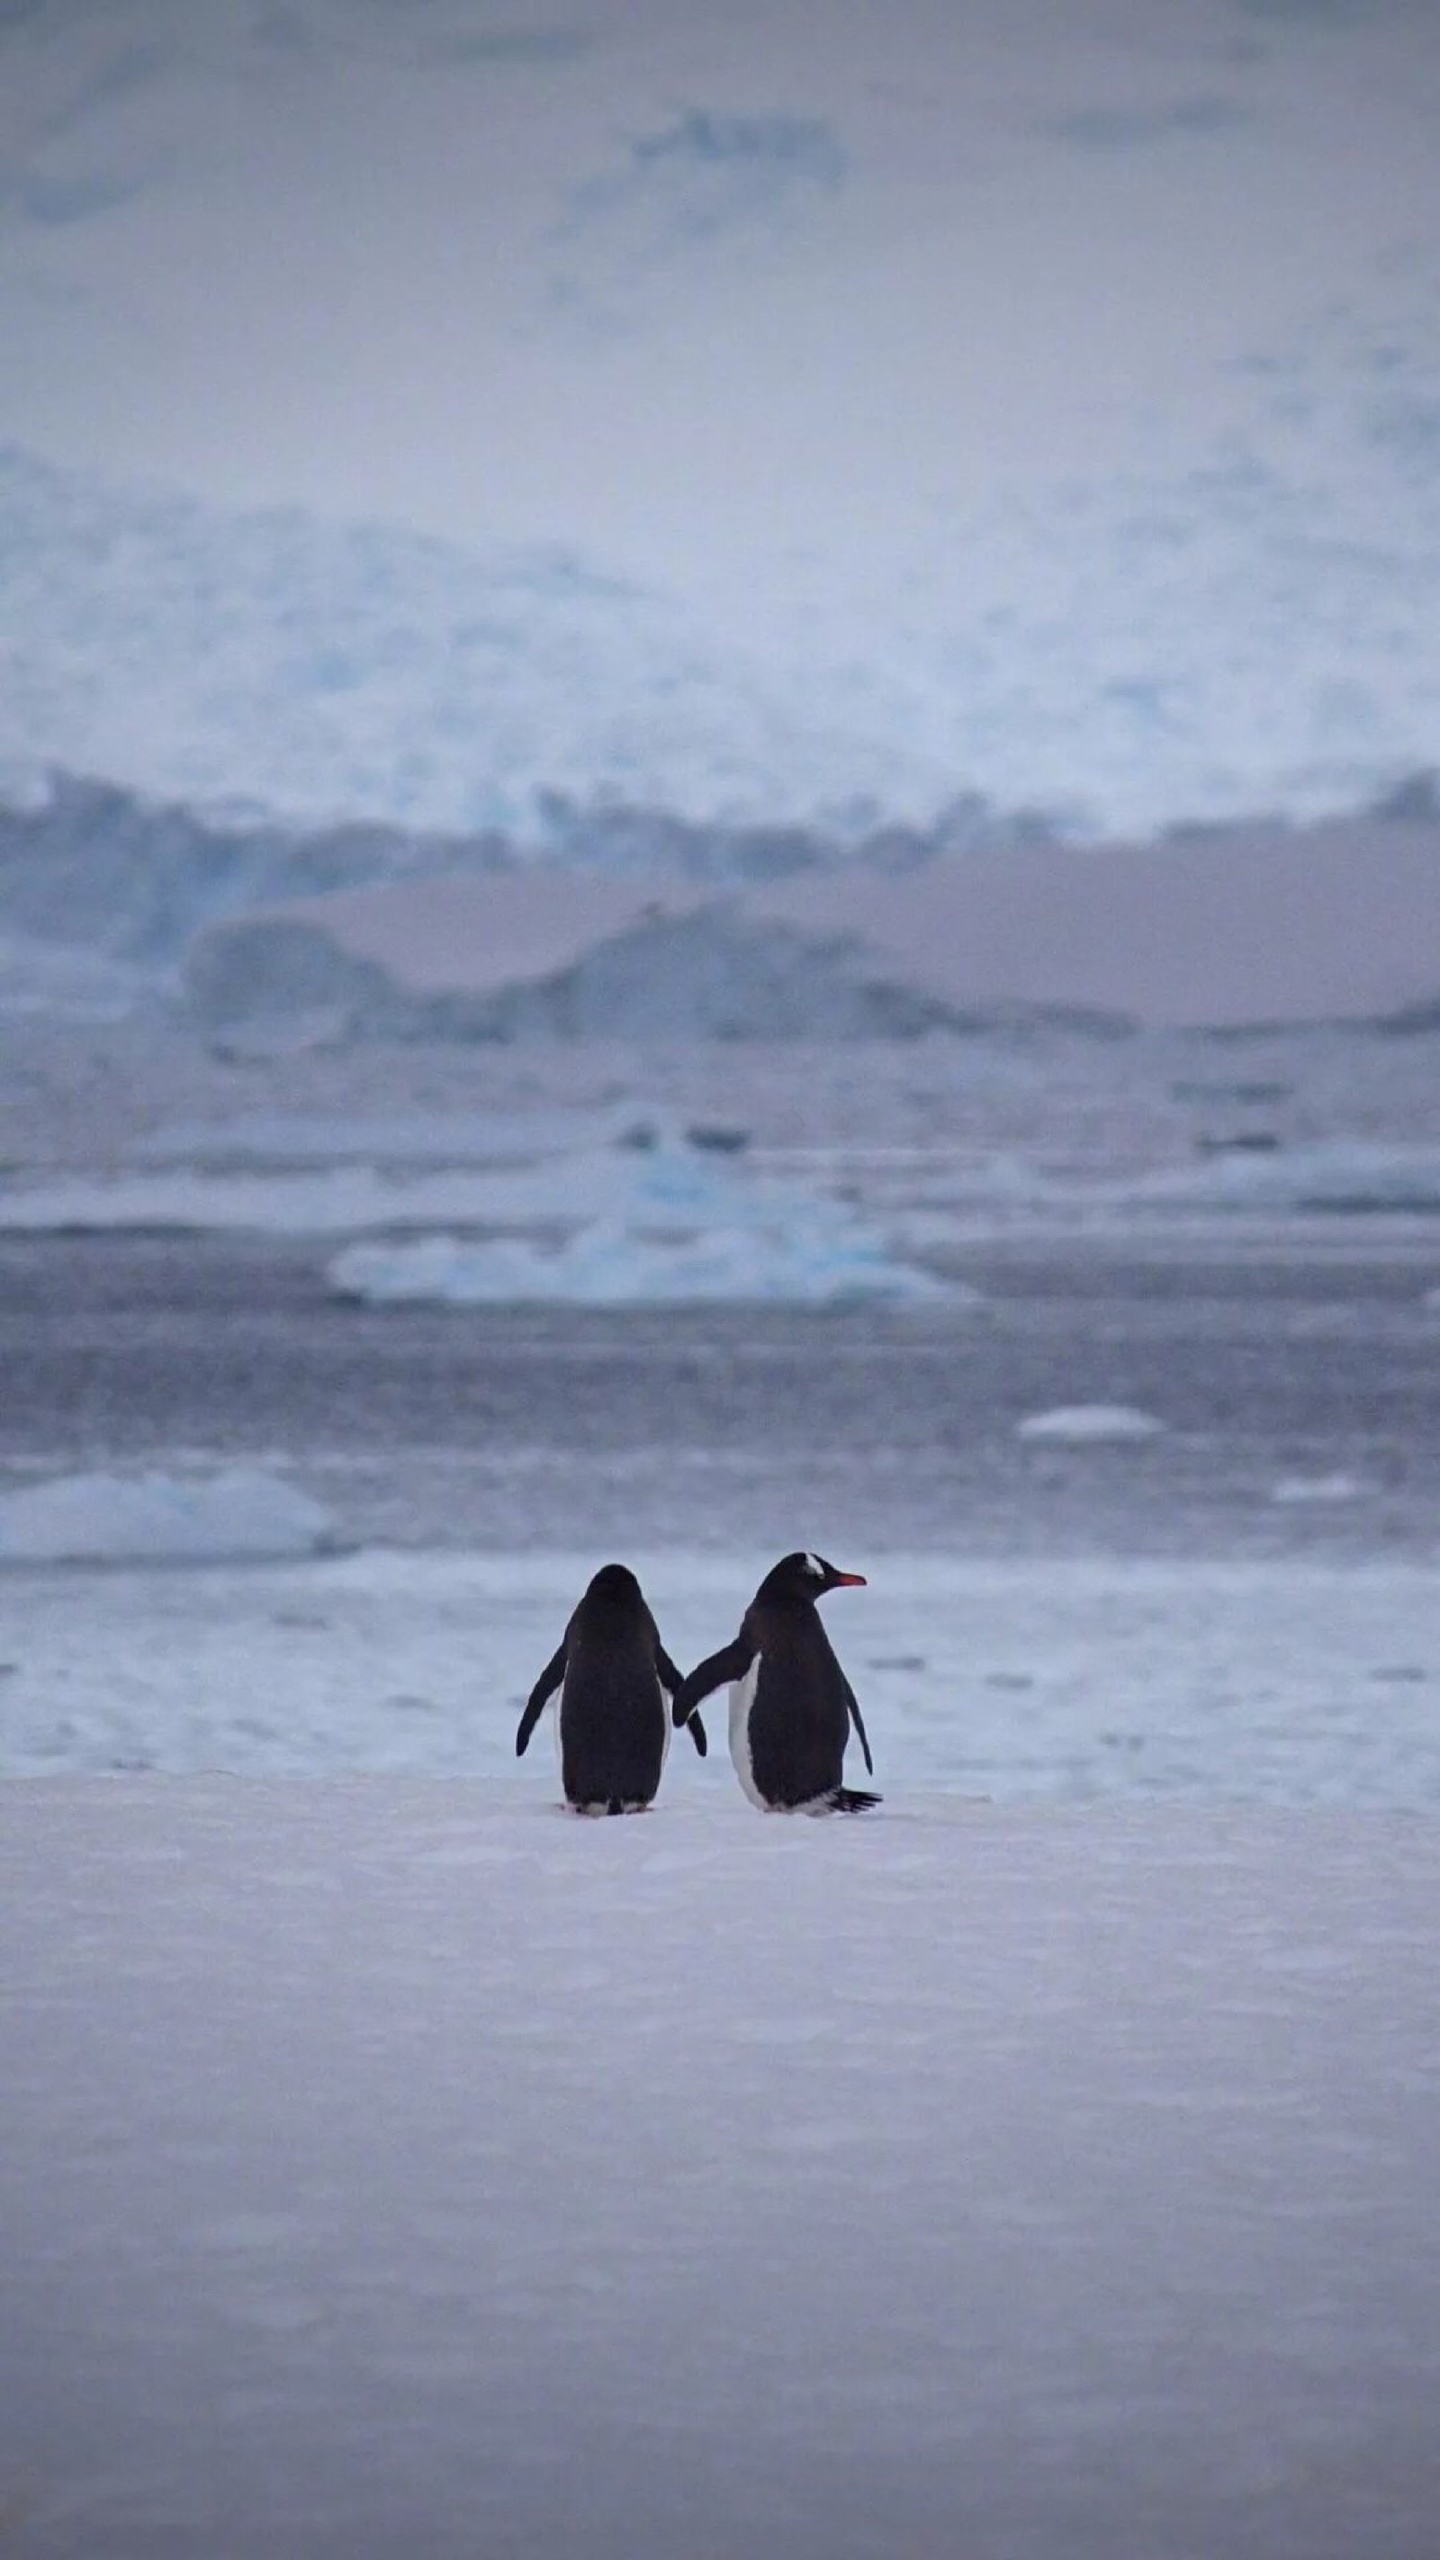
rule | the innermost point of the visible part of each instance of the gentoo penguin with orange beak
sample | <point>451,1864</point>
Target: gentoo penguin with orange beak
<point>791,1706</point>
<point>612,1682</point>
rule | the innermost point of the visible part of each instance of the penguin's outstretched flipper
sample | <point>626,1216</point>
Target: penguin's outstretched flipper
<point>858,1722</point>
<point>672,1682</point>
<point>539,1698</point>
<point>730,1663</point>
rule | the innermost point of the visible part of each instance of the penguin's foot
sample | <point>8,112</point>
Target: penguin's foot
<point>613,1804</point>
<point>834,1800</point>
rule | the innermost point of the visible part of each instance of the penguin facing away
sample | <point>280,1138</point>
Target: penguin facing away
<point>791,1706</point>
<point>612,1682</point>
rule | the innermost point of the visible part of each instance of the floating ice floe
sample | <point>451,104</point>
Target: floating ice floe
<point>1339,1175</point>
<point>1338,1487</point>
<point>156,1518</point>
<point>1081,1424</point>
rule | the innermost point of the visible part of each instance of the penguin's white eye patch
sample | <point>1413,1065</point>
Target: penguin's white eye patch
<point>813,1565</point>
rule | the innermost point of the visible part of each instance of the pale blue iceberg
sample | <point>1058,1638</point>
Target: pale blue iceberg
<point>820,1260</point>
<point>660,1225</point>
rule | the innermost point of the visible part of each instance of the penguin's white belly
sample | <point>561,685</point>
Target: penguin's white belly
<point>742,1699</point>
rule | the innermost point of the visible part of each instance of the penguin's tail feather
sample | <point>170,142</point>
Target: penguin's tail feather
<point>853,1800</point>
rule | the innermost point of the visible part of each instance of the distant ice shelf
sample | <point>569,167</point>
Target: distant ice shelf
<point>1158,645</point>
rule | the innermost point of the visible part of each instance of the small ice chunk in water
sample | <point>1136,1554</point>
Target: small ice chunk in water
<point>159,1518</point>
<point>1080,1424</point>
<point>1332,1488</point>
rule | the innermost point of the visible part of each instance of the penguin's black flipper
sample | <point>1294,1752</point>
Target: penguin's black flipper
<point>672,1683</point>
<point>853,1800</point>
<point>544,1689</point>
<point>858,1721</point>
<point>731,1663</point>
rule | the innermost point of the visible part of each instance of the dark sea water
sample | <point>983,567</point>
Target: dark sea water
<point>1299,1393</point>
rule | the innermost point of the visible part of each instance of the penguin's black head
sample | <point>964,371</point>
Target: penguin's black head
<point>804,1576</point>
<point>615,1587</point>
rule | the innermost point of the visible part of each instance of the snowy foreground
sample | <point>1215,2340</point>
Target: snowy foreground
<point>387,2170</point>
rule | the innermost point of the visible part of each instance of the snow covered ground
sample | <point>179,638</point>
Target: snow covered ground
<point>392,2169</point>
<point>1287,1681</point>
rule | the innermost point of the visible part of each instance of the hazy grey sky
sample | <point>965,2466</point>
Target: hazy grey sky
<point>708,291</point>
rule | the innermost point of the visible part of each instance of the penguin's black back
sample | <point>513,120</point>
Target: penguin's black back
<point>799,1719</point>
<point>613,1718</point>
